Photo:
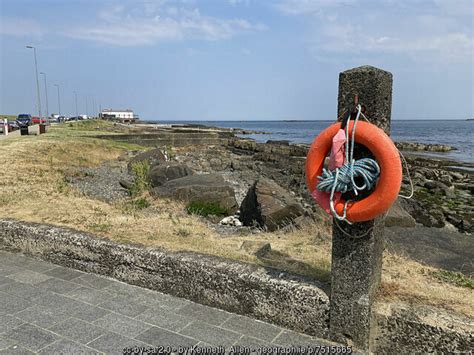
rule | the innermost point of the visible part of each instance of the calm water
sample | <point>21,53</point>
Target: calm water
<point>457,133</point>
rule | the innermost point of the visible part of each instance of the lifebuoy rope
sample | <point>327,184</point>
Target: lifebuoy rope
<point>343,179</point>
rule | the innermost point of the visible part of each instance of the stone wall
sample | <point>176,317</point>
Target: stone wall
<point>262,293</point>
<point>403,329</point>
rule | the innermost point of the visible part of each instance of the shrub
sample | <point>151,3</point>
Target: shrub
<point>140,183</point>
<point>206,209</point>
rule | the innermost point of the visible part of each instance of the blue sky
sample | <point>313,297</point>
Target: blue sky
<point>236,59</point>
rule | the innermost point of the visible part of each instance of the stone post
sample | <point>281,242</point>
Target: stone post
<point>5,127</point>
<point>357,262</point>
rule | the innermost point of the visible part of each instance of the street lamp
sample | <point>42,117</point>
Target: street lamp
<point>37,81</point>
<point>75,96</point>
<point>46,94</point>
<point>87,107</point>
<point>59,100</point>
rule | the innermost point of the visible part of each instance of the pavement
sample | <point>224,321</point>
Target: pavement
<point>50,309</point>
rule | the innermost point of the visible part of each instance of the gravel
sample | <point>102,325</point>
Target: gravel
<point>102,182</point>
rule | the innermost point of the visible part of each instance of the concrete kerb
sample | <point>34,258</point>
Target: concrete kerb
<point>262,293</point>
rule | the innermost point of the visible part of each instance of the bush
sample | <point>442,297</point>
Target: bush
<point>206,209</point>
<point>140,183</point>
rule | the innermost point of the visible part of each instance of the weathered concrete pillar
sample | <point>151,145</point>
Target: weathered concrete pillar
<point>357,262</point>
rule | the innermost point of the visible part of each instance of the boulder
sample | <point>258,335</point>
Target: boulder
<point>397,216</point>
<point>431,218</point>
<point>438,186</point>
<point>153,157</point>
<point>206,188</point>
<point>160,174</point>
<point>269,206</point>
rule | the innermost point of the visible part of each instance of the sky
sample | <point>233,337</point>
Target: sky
<point>235,59</point>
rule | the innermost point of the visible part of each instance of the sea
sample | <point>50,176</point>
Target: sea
<point>456,133</point>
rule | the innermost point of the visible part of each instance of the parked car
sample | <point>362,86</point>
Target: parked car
<point>24,119</point>
<point>13,126</point>
<point>37,120</point>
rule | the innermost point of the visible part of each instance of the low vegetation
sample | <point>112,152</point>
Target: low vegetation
<point>140,172</point>
<point>455,278</point>
<point>37,189</point>
<point>206,209</point>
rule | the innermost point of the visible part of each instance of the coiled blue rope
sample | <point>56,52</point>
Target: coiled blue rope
<point>367,169</point>
<point>343,179</point>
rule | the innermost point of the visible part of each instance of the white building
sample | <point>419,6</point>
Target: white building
<point>120,115</point>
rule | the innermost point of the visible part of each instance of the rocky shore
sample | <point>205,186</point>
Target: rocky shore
<point>265,182</point>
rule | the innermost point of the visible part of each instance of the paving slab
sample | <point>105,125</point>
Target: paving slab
<point>161,337</point>
<point>211,334</point>
<point>31,337</point>
<point>41,316</point>
<point>122,325</point>
<point>51,309</point>
<point>66,346</point>
<point>78,330</point>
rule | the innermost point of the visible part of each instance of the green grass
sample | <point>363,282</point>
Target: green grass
<point>455,278</point>
<point>206,209</point>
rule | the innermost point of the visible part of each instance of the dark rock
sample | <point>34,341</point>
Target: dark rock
<point>431,218</point>
<point>165,172</point>
<point>153,157</point>
<point>277,142</point>
<point>397,216</point>
<point>207,188</point>
<point>456,175</point>
<point>413,146</point>
<point>435,186</point>
<point>126,183</point>
<point>268,205</point>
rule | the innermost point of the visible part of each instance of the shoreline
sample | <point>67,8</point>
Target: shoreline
<point>441,155</point>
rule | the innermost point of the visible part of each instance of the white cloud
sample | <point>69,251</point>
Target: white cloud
<point>148,24</point>
<point>426,30</point>
<point>310,7</point>
<point>20,27</point>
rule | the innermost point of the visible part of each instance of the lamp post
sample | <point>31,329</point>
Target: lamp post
<point>87,107</point>
<point>37,81</point>
<point>59,100</point>
<point>46,94</point>
<point>75,96</point>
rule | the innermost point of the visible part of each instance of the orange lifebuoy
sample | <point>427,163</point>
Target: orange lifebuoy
<point>386,155</point>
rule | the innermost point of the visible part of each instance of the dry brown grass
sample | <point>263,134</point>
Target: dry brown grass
<point>36,190</point>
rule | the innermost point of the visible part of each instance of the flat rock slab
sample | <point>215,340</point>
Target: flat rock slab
<point>449,250</point>
<point>36,326</point>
